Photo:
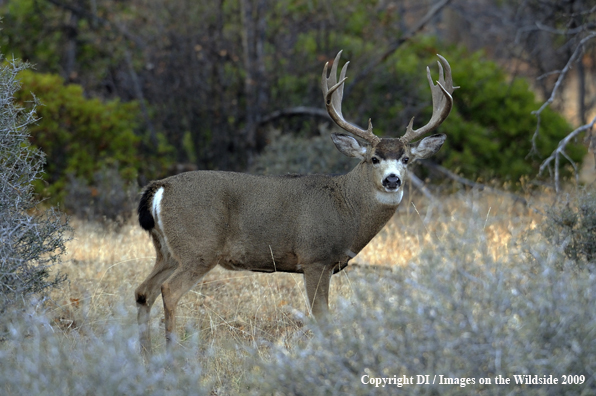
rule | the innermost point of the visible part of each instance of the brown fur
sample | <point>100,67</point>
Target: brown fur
<point>309,224</point>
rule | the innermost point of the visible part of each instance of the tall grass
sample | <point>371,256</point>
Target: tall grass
<point>467,306</point>
<point>463,292</point>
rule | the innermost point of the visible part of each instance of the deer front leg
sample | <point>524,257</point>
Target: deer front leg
<point>316,281</point>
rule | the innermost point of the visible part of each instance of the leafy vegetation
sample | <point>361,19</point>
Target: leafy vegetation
<point>80,136</point>
<point>489,134</point>
<point>207,81</point>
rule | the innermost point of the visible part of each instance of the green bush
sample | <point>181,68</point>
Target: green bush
<point>80,136</point>
<point>31,240</point>
<point>490,131</point>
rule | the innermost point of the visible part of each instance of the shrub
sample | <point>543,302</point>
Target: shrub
<point>30,241</point>
<point>80,136</point>
<point>490,131</point>
<point>39,359</point>
<point>293,154</point>
<point>110,197</point>
<point>458,310</point>
<point>570,226</point>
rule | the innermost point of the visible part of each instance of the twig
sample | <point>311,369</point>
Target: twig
<point>568,32</point>
<point>560,150</point>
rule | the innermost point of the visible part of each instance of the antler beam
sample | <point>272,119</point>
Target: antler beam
<point>442,102</point>
<point>333,92</point>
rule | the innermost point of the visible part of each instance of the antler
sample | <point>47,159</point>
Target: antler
<point>442,102</point>
<point>333,92</point>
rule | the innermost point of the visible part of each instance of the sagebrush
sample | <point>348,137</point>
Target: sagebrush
<point>31,239</point>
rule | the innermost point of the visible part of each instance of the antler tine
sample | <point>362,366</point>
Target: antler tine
<point>333,92</point>
<point>441,98</point>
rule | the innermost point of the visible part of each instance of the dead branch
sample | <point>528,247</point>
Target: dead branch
<point>560,150</point>
<point>562,75</point>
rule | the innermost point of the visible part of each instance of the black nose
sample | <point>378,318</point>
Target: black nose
<point>392,182</point>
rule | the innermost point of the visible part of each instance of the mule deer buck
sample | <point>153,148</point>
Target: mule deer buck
<point>311,224</point>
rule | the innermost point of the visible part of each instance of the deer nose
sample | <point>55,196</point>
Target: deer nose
<point>392,182</point>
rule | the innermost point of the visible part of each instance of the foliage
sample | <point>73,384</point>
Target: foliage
<point>490,127</point>
<point>210,77</point>
<point>459,311</point>
<point>80,136</point>
<point>488,131</point>
<point>570,225</point>
<point>489,135</point>
<point>30,241</point>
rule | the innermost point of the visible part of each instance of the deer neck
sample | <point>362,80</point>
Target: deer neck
<point>370,209</point>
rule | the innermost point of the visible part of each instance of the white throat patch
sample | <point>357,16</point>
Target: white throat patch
<point>390,198</point>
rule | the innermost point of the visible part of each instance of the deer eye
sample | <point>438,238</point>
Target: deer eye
<point>374,160</point>
<point>405,160</point>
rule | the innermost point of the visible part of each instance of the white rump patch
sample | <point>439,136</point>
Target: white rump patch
<point>156,207</point>
<point>350,253</point>
<point>390,198</point>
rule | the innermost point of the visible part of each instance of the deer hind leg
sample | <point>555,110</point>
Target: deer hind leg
<point>316,281</point>
<point>179,283</point>
<point>147,292</point>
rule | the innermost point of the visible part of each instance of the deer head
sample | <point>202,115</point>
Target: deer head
<point>387,158</point>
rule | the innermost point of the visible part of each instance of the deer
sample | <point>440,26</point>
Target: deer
<point>308,224</point>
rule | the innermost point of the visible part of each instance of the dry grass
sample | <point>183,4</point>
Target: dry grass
<point>226,309</point>
<point>229,314</point>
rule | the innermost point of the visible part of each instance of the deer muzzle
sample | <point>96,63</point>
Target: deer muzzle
<point>392,182</point>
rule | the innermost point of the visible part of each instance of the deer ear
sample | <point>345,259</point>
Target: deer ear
<point>427,146</point>
<point>349,146</point>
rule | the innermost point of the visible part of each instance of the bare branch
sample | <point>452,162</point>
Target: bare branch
<point>562,75</point>
<point>560,150</point>
<point>568,32</point>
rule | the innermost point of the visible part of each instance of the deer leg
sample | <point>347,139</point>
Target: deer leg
<point>316,280</point>
<point>181,281</point>
<point>145,296</point>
